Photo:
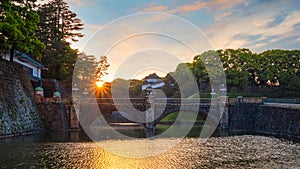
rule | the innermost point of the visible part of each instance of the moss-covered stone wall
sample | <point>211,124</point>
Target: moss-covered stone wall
<point>18,113</point>
<point>250,117</point>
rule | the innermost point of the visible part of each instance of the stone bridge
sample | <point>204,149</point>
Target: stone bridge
<point>150,111</point>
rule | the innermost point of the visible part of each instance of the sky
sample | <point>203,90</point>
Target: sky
<point>140,37</point>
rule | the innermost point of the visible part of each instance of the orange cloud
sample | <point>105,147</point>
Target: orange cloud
<point>225,4</point>
<point>190,7</point>
<point>198,5</point>
<point>224,15</point>
<point>156,9</point>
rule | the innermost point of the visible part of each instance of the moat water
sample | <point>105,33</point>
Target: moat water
<point>76,150</point>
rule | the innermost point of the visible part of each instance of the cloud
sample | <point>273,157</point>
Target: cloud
<point>247,36</point>
<point>253,32</point>
<point>198,5</point>
<point>209,5</point>
<point>255,25</point>
<point>276,20</point>
<point>76,2</point>
<point>261,44</point>
<point>297,25</point>
<point>94,27</point>
<point>224,15</point>
<point>156,9</point>
<point>127,37</point>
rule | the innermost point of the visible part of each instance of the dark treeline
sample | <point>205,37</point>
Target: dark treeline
<point>272,73</point>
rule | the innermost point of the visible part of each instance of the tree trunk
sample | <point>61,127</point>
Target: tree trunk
<point>12,53</point>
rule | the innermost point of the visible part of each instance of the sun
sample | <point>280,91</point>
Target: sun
<point>99,84</point>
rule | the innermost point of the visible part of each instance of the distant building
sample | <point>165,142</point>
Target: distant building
<point>33,66</point>
<point>152,81</point>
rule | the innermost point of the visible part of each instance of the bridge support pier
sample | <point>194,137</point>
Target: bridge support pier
<point>74,121</point>
<point>150,132</point>
<point>150,115</point>
<point>149,120</point>
<point>223,108</point>
<point>150,126</point>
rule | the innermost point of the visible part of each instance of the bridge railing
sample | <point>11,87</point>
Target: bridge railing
<point>170,101</point>
<point>262,100</point>
<point>184,101</point>
<point>258,100</point>
<point>287,101</point>
<point>110,101</point>
<point>180,101</point>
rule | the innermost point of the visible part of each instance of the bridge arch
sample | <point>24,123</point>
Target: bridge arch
<point>203,112</point>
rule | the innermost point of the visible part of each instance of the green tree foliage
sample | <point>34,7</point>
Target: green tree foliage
<point>207,69</point>
<point>184,79</point>
<point>279,72</point>
<point>89,70</point>
<point>240,68</point>
<point>269,72</point>
<point>119,88</point>
<point>18,23</point>
<point>171,86</point>
<point>102,67</point>
<point>58,27</point>
<point>86,66</point>
<point>135,88</point>
<point>199,70</point>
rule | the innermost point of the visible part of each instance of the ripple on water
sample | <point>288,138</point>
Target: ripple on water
<point>226,152</point>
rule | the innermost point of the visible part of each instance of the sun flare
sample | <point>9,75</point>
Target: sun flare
<point>99,83</point>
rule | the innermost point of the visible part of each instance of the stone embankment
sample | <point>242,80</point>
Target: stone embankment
<point>264,119</point>
<point>55,114</point>
<point>18,113</point>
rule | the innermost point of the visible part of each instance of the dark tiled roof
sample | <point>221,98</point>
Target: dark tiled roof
<point>152,76</point>
<point>30,59</point>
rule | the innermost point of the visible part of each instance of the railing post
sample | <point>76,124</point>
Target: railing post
<point>263,99</point>
<point>240,99</point>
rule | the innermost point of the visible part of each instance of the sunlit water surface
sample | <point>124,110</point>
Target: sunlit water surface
<point>218,152</point>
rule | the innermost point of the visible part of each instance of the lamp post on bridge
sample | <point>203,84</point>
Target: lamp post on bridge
<point>85,93</point>
<point>213,97</point>
<point>223,90</point>
<point>213,93</point>
<point>75,94</point>
<point>75,89</point>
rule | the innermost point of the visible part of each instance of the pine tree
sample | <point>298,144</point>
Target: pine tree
<point>58,27</point>
<point>17,27</point>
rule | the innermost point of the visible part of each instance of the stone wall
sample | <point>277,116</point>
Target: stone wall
<point>258,118</point>
<point>18,113</point>
<point>55,112</point>
<point>51,116</point>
